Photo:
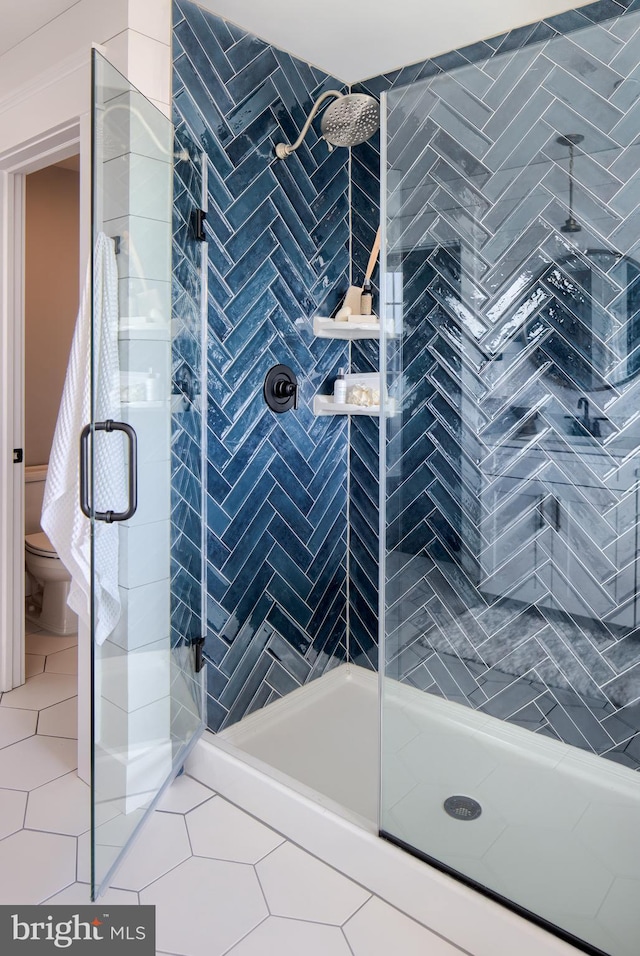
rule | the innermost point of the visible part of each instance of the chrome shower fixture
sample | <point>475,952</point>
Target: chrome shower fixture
<point>571,140</point>
<point>353,118</point>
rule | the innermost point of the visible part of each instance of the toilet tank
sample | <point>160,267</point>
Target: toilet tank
<point>34,479</point>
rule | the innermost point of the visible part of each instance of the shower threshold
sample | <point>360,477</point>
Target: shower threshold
<point>307,765</point>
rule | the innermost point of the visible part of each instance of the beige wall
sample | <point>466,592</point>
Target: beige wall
<point>51,300</point>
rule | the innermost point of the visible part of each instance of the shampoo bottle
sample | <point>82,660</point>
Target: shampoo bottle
<point>340,388</point>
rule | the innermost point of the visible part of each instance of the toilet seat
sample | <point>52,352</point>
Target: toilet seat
<point>39,544</point>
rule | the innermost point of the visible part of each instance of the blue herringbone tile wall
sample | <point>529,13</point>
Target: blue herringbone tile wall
<point>512,495</point>
<point>365,181</point>
<point>278,240</point>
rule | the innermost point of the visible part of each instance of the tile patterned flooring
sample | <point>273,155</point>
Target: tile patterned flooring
<point>222,882</point>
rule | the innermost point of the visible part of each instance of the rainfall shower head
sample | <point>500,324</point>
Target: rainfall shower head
<point>352,119</point>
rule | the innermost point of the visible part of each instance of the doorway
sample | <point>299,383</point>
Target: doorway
<point>57,145</point>
<point>50,276</point>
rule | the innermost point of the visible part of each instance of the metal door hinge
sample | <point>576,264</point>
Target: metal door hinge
<point>197,224</point>
<point>18,456</point>
<point>198,645</point>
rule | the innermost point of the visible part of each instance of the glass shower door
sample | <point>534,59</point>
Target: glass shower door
<point>511,684</point>
<point>147,693</point>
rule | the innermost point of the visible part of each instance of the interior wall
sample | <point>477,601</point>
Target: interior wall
<point>51,299</point>
<point>278,247</point>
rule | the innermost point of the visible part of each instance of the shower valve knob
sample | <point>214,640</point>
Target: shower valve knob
<point>284,389</point>
<point>281,389</point>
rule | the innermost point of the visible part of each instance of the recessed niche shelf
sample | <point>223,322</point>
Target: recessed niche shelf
<point>367,327</point>
<point>325,405</point>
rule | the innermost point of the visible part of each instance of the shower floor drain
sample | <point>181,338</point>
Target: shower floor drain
<point>462,808</point>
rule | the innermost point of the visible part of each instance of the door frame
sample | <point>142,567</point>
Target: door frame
<point>49,147</point>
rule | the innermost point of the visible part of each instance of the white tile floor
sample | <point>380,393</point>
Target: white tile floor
<point>222,882</point>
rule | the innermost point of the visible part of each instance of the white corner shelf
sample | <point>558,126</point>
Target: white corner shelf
<point>325,405</point>
<point>367,327</point>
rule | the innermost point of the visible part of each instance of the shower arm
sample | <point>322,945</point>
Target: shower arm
<point>283,149</point>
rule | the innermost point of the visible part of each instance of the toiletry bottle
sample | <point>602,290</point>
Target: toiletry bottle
<point>366,299</point>
<point>340,388</point>
<point>152,386</point>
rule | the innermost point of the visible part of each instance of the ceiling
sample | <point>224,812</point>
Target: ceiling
<point>357,39</point>
<point>350,40</point>
<point>21,19</point>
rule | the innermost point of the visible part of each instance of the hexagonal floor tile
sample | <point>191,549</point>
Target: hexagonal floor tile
<point>289,937</point>
<point>37,760</point>
<point>16,724</point>
<point>162,844</point>
<point>63,662</point>
<point>12,806</point>
<point>183,795</point>
<point>113,830</point>
<point>33,664</point>
<point>42,643</point>
<point>298,885</point>
<point>41,691</point>
<point>105,856</point>
<point>205,906</point>
<point>34,866</point>
<point>60,720</point>
<point>378,929</point>
<point>62,806</point>
<point>79,894</point>
<point>221,831</point>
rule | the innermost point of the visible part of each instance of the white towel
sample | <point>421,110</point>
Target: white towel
<point>67,528</point>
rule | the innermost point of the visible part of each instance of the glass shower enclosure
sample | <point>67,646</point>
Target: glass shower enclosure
<point>148,701</point>
<point>511,465</point>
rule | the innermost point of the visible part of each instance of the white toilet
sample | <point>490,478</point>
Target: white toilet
<point>48,580</point>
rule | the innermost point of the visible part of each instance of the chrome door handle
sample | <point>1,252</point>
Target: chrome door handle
<point>85,505</point>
